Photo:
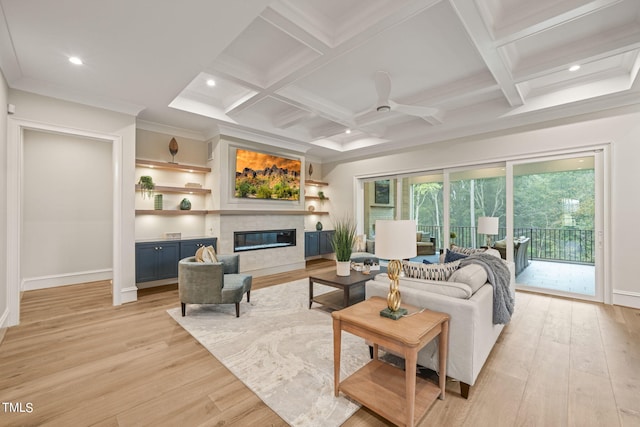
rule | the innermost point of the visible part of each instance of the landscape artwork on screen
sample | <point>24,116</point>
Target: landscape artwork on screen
<point>265,176</point>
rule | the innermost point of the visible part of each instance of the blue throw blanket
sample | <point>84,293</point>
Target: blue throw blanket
<point>499,277</point>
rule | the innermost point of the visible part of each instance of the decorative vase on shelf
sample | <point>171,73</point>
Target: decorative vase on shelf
<point>185,204</point>
<point>157,202</point>
<point>319,226</point>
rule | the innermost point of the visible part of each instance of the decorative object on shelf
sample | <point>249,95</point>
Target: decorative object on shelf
<point>344,238</point>
<point>311,208</point>
<point>193,185</point>
<point>173,149</point>
<point>185,204</point>
<point>146,186</point>
<point>488,225</point>
<point>173,235</point>
<point>319,226</point>
<point>157,202</point>
<point>310,169</point>
<point>322,197</point>
<point>395,240</point>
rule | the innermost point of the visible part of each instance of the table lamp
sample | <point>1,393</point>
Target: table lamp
<point>395,240</point>
<point>488,225</point>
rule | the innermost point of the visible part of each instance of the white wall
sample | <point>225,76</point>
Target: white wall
<point>4,303</point>
<point>621,131</point>
<point>67,234</point>
<point>44,110</point>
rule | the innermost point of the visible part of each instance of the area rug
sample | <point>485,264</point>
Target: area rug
<point>281,350</point>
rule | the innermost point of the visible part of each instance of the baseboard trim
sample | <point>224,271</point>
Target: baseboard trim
<point>626,298</point>
<point>52,281</point>
<point>129,294</point>
<point>4,324</point>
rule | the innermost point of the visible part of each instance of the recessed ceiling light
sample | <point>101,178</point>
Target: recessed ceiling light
<point>574,67</point>
<point>348,131</point>
<point>75,60</point>
<point>211,82</point>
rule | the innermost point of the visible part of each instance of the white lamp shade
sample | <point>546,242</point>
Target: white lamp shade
<point>488,225</point>
<point>395,239</point>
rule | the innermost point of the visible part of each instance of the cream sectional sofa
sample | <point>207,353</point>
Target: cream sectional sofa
<point>472,333</point>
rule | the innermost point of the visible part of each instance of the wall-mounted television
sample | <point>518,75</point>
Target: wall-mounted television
<point>266,176</point>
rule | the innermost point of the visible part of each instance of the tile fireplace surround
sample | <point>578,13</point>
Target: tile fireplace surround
<point>263,261</point>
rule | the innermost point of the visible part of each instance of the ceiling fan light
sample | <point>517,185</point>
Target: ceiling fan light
<point>383,108</point>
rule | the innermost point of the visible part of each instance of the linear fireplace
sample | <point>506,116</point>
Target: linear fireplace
<point>265,239</point>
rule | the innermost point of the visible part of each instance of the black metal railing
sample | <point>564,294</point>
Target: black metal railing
<point>550,244</point>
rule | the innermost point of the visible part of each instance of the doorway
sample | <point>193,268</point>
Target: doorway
<point>555,225</point>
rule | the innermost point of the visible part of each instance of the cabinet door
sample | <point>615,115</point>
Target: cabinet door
<point>325,242</point>
<point>168,257</point>
<point>146,262</point>
<point>311,243</point>
<point>189,247</point>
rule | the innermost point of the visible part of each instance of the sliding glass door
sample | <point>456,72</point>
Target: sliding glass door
<point>555,225</point>
<point>476,193</point>
<point>549,212</point>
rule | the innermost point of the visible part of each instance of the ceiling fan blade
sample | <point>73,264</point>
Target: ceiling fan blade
<point>383,87</point>
<point>415,110</point>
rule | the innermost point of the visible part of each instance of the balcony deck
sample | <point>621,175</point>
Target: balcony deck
<point>559,276</point>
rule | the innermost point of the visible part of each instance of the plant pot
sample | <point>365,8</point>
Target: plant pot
<point>343,268</point>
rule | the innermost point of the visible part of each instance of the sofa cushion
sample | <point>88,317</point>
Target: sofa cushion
<point>466,251</point>
<point>450,289</point>
<point>451,256</point>
<point>473,275</point>
<point>419,270</point>
<point>360,244</point>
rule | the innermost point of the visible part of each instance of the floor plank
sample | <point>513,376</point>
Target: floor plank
<point>81,361</point>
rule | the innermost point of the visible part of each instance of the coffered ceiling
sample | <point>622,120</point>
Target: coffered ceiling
<point>309,75</point>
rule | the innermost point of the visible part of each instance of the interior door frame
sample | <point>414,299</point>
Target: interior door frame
<point>601,155</point>
<point>15,155</point>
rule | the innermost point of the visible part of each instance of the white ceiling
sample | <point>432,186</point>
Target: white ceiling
<point>299,73</point>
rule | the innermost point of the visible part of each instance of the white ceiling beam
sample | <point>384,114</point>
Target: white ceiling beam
<point>536,23</point>
<point>484,43</point>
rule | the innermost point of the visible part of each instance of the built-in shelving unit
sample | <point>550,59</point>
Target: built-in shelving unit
<point>312,199</point>
<point>160,189</point>
<point>171,166</point>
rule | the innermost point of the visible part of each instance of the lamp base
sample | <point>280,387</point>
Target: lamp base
<point>395,315</point>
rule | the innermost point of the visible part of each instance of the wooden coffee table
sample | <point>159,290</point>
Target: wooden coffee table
<point>351,288</point>
<point>398,396</point>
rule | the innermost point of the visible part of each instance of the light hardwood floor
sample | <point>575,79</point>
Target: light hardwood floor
<point>79,362</point>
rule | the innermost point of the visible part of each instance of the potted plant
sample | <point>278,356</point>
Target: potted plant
<point>146,186</point>
<point>452,237</point>
<point>344,238</point>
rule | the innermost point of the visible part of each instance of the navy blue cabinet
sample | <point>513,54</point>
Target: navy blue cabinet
<point>189,247</point>
<point>159,260</point>
<point>317,243</point>
<point>311,243</point>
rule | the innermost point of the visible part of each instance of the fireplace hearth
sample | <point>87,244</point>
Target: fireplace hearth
<point>263,239</point>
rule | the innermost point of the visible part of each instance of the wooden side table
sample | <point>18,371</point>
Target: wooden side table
<point>398,396</point>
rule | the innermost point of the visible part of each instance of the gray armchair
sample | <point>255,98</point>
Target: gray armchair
<point>212,283</point>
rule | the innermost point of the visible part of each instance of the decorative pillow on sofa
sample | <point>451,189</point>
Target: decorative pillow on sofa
<point>206,254</point>
<point>451,256</point>
<point>418,270</point>
<point>360,243</point>
<point>466,251</point>
<point>473,275</point>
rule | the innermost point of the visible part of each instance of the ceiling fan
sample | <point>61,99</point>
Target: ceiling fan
<point>382,82</point>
